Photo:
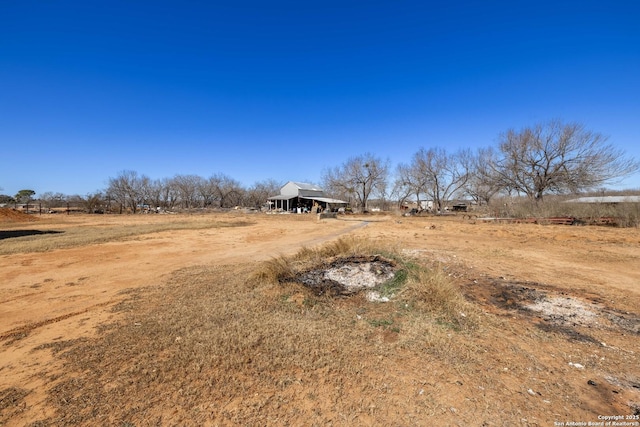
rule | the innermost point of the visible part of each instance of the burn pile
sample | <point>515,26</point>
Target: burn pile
<point>349,275</point>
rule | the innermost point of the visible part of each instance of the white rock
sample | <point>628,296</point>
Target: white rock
<point>375,297</point>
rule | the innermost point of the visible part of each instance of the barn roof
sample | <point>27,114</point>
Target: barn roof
<point>305,186</point>
<point>319,199</point>
<point>304,191</point>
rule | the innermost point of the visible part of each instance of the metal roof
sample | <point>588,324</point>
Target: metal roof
<point>325,199</point>
<point>606,199</point>
<point>305,186</point>
<point>319,199</point>
<point>282,197</point>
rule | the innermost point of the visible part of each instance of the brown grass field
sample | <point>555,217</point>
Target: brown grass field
<point>203,320</point>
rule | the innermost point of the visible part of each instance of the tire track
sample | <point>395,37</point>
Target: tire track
<point>22,331</point>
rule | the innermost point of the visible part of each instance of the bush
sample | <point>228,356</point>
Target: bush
<point>618,214</point>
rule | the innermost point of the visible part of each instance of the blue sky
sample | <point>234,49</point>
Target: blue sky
<point>283,90</point>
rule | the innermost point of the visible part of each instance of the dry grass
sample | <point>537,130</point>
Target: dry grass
<point>79,235</point>
<point>248,345</point>
<point>208,337</point>
<point>11,401</point>
<point>625,214</point>
<point>425,291</point>
<point>432,292</point>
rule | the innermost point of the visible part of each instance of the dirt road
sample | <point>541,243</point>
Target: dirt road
<point>41,287</point>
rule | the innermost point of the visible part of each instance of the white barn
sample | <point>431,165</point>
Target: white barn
<point>300,197</point>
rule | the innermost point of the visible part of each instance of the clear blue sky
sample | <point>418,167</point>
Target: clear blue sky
<point>283,90</point>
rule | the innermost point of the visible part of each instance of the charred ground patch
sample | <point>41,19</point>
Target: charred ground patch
<point>348,275</point>
<point>553,309</point>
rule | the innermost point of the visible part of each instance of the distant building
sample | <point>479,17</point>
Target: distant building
<point>606,199</point>
<point>300,197</point>
<point>426,205</point>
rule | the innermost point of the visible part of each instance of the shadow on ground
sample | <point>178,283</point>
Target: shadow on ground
<point>23,233</point>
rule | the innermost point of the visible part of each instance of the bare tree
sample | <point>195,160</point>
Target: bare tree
<point>228,191</point>
<point>76,202</point>
<point>169,194</point>
<point>409,182</point>
<point>258,193</point>
<point>483,182</point>
<point>53,200</point>
<point>443,174</point>
<point>383,196</point>
<point>187,189</point>
<point>93,202</point>
<point>154,191</point>
<point>358,177</point>
<point>128,189</point>
<point>208,190</point>
<point>555,157</point>
<point>146,192</point>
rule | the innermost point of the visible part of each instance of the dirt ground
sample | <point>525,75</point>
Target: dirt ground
<point>577,288</point>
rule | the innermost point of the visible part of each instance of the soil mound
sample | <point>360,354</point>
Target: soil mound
<point>12,215</point>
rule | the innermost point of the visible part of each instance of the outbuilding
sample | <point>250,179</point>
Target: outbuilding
<point>302,197</point>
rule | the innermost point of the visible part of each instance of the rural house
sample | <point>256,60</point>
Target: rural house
<point>301,197</point>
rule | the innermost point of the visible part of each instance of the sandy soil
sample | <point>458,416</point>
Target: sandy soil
<point>70,292</point>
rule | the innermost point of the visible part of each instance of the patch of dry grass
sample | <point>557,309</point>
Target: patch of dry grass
<point>11,402</point>
<point>429,292</point>
<point>75,236</point>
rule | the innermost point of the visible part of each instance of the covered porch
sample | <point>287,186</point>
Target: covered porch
<point>287,203</point>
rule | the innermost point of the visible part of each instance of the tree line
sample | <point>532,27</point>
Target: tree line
<point>132,191</point>
<point>546,158</point>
